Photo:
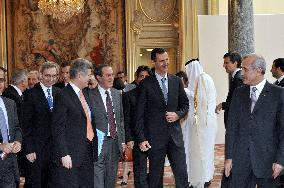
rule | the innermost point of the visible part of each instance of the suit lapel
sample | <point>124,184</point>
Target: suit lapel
<point>157,89</point>
<point>74,98</point>
<point>98,100</point>
<point>170,86</point>
<point>9,115</point>
<point>41,96</point>
<point>262,97</point>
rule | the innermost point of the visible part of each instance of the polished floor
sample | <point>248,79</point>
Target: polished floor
<point>168,175</point>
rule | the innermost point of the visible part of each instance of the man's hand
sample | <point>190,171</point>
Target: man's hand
<point>17,146</point>
<point>123,147</point>
<point>6,147</point>
<point>218,108</point>
<point>277,168</point>
<point>31,157</point>
<point>130,144</point>
<point>171,117</point>
<point>144,146</point>
<point>67,162</point>
<point>228,167</point>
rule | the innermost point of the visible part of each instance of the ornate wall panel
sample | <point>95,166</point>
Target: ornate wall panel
<point>95,35</point>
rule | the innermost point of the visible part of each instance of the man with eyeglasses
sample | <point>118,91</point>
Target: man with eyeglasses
<point>37,113</point>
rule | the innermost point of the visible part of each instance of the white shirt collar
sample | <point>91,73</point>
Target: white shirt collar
<point>17,89</point>
<point>281,78</point>
<point>159,77</point>
<point>44,87</point>
<point>259,86</point>
<point>235,72</point>
<point>75,88</point>
<point>102,90</point>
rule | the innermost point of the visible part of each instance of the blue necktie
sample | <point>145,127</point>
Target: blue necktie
<point>49,99</point>
<point>164,90</point>
<point>3,126</point>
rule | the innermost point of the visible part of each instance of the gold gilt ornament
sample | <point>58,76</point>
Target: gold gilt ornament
<point>61,10</point>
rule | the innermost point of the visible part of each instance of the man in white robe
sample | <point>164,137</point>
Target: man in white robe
<point>201,126</point>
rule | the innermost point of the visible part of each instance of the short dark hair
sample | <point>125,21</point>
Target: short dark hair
<point>182,75</point>
<point>98,69</point>
<point>279,62</point>
<point>234,57</point>
<point>141,69</point>
<point>118,84</point>
<point>156,51</point>
<point>65,64</point>
<point>79,65</point>
<point>120,72</point>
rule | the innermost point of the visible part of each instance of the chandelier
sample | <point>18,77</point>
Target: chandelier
<point>61,10</point>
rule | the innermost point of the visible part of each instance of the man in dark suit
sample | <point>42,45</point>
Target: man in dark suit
<point>19,83</point>
<point>33,78</point>
<point>232,64</point>
<point>109,121</point>
<point>74,131</point>
<point>10,139</point>
<point>37,116</point>
<point>162,102</point>
<point>277,71</point>
<point>64,75</point>
<point>129,108</point>
<point>254,147</point>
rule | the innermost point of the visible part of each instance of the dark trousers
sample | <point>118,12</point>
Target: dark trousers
<point>176,155</point>
<point>140,167</point>
<point>249,180</point>
<point>76,177</point>
<point>105,168</point>
<point>7,185</point>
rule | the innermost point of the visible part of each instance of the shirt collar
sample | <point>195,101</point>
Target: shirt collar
<point>281,78</point>
<point>235,72</point>
<point>45,88</point>
<point>17,89</point>
<point>159,77</point>
<point>259,86</point>
<point>102,90</point>
<point>75,88</point>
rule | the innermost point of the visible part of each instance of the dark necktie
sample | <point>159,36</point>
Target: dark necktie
<point>164,89</point>
<point>49,99</point>
<point>253,98</point>
<point>3,127</point>
<point>276,83</point>
<point>110,114</point>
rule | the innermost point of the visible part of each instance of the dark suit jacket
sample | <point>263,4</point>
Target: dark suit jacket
<point>256,138</point>
<point>281,83</point>
<point>100,113</point>
<point>69,127</point>
<point>36,119</point>
<point>60,85</point>
<point>235,83</point>
<point>11,93</point>
<point>8,167</point>
<point>151,109</point>
<point>129,109</point>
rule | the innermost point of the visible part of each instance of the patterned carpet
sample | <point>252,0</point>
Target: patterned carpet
<point>168,175</point>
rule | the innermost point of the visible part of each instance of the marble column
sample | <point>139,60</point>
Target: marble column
<point>241,26</point>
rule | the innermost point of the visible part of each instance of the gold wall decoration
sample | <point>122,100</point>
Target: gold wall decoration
<point>157,10</point>
<point>3,48</point>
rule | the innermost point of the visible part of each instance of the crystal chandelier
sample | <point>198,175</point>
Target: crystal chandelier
<point>61,10</point>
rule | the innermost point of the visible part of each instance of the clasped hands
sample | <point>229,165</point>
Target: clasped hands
<point>13,147</point>
<point>276,168</point>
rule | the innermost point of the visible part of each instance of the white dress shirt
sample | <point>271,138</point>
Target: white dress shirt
<point>44,88</point>
<point>159,78</point>
<point>259,88</point>
<point>2,106</point>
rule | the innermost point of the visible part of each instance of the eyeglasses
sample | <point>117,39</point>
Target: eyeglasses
<point>49,76</point>
<point>2,80</point>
